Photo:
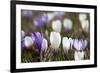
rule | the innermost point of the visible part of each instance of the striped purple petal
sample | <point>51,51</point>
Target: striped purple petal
<point>38,38</point>
<point>80,44</point>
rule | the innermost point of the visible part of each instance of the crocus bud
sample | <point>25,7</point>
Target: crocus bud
<point>44,45</point>
<point>82,17</point>
<point>55,40</point>
<point>28,41</point>
<point>67,24</point>
<point>85,25</point>
<point>66,44</point>
<point>56,25</point>
<point>50,16</point>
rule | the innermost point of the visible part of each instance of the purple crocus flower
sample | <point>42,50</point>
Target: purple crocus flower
<point>27,13</point>
<point>44,18</point>
<point>38,38</point>
<point>41,21</point>
<point>58,15</point>
<point>80,44</point>
<point>38,22</point>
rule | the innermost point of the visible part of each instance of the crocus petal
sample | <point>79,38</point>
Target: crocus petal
<point>82,17</point>
<point>79,55</point>
<point>50,16</point>
<point>85,25</point>
<point>71,42</point>
<point>44,45</point>
<point>67,24</point>
<point>86,42</point>
<point>28,41</point>
<point>80,44</point>
<point>66,44</point>
<point>58,15</point>
<point>22,34</point>
<point>76,44</point>
<point>56,25</point>
<point>38,22</point>
<point>55,40</point>
<point>44,18</point>
<point>27,13</point>
<point>38,39</point>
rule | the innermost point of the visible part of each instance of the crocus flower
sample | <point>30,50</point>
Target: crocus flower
<point>79,55</point>
<point>44,18</point>
<point>56,25</point>
<point>38,22</point>
<point>67,24</point>
<point>84,22</point>
<point>37,38</point>
<point>55,40</point>
<point>67,43</point>
<point>44,45</point>
<point>58,15</point>
<point>28,42</point>
<point>41,20</point>
<point>50,16</point>
<point>82,17</point>
<point>79,45</point>
<point>27,13</point>
<point>85,25</point>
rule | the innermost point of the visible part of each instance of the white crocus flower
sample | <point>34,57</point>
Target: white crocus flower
<point>67,24</point>
<point>56,25</point>
<point>79,55</point>
<point>44,45</point>
<point>55,40</point>
<point>84,22</point>
<point>50,16</point>
<point>28,41</point>
<point>82,17</point>
<point>85,25</point>
<point>67,43</point>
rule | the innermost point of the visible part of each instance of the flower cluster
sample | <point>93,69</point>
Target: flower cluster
<point>55,32</point>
